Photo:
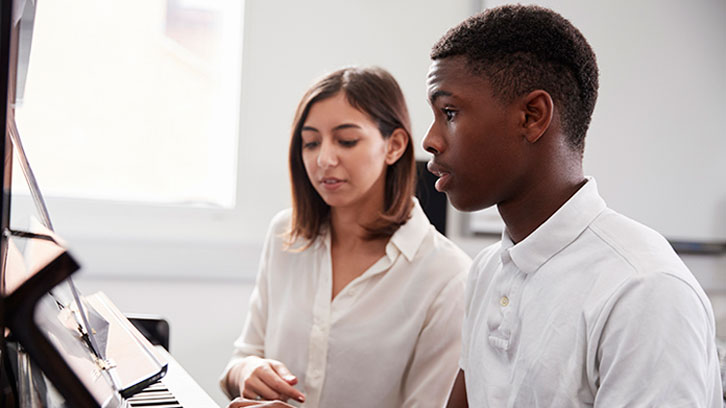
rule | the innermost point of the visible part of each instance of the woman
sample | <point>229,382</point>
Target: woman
<point>359,301</point>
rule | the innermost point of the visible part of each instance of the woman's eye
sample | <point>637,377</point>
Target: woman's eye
<point>348,143</point>
<point>310,145</point>
<point>449,113</point>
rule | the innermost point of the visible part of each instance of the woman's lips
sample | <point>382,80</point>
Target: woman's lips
<point>331,183</point>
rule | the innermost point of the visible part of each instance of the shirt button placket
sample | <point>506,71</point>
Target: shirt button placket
<point>318,346</point>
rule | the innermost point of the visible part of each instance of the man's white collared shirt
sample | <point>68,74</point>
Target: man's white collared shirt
<point>591,309</point>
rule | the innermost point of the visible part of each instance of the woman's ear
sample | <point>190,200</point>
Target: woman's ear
<point>396,145</point>
<point>537,112</point>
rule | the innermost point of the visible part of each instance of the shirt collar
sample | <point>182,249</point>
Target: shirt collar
<point>561,229</point>
<point>406,240</point>
<point>409,236</point>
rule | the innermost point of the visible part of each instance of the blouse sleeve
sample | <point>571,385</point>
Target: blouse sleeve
<point>435,361</point>
<point>252,340</point>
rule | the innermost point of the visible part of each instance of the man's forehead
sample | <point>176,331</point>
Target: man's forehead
<point>440,69</point>
<point>449,73</point>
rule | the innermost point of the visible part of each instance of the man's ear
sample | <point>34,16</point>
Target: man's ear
<point>396,145</point>
<point>537,112</point>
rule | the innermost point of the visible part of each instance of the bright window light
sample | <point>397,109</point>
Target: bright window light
<point>135,100</point>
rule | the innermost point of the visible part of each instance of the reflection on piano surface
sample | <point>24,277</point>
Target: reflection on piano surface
<point>60,348</point>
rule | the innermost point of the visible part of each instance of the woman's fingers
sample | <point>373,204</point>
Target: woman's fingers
<point>242,402</point>
<point>268,379</point>
<point>273,380</point>
<point>259,385</point>
<point>283,372</point>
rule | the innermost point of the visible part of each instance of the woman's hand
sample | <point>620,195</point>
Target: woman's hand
<point>243,402</point>
<point>265,378</point>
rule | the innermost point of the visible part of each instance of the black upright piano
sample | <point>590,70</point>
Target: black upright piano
<point>59,347</point>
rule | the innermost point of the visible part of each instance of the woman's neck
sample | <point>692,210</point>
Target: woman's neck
<point>348,223</point>
<point>348,226</point>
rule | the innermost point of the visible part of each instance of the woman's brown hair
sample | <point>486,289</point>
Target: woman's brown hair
<point>376,93</point>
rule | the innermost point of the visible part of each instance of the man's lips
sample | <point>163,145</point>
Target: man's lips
<point>441,172</point>
<point>436,168</point>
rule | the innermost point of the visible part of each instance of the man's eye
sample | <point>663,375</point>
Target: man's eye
<point>449,113</point>
<point>348,143</point>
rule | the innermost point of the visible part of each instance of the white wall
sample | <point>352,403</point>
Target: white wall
<point>195,269</point>
<point>202,286</point>
<point>287,45</point>
<point>656,145</point>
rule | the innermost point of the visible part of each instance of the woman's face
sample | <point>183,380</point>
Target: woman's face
<point>344,154</point>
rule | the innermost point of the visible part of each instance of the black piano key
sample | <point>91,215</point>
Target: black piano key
<point>156,395</point>
<point>165,403</point>
<point>153,398</point>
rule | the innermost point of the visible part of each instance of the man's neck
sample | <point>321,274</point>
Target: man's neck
<point>535,205</point>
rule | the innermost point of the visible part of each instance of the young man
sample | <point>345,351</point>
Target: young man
<point>577,305</point>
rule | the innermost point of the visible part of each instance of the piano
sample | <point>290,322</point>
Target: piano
<point>59,347</point>
<point>176,389</point>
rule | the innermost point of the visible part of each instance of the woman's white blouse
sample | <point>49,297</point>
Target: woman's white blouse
<point>390,338</point>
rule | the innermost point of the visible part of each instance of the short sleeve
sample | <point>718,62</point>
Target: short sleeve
<point>657,347</point>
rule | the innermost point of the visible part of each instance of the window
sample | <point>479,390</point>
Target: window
<point>135,101</point>
<point>129,117</point>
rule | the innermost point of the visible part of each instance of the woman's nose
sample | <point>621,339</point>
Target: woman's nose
<point>327,156</point>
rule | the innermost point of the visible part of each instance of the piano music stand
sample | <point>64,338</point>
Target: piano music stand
<point>20,306</point>
<point>89,365</point>
<point>19,303</point>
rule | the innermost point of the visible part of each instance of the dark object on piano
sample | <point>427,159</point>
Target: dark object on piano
<point>154,328</point>
<point>433,202</point>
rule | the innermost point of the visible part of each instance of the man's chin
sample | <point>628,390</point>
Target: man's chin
<point>464,204</point>
<point>461,205</point>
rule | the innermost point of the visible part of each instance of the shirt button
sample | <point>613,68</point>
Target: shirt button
<point>504,301</point>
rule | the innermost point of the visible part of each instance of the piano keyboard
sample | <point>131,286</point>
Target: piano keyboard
<point>177,389</point>
<point>156,395</point>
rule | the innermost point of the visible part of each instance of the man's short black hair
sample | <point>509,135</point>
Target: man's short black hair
<point>523,48</point>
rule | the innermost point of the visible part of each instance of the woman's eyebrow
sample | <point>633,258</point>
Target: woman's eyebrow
<point>339,127</point>
<point>347,126</point>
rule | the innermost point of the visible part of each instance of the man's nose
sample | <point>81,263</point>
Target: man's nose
<point>432,142</point>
